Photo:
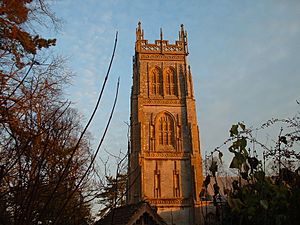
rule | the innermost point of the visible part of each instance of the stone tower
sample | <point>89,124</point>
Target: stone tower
<point>165,166</point>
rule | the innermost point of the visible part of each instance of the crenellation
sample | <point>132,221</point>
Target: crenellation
<point>164,132</point>
<point>161,46</point>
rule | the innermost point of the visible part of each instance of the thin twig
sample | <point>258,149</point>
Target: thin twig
<point>94,157</point>
<point>85,128</point>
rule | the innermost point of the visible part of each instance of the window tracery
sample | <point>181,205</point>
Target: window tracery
<point>165,126</point>
<point>169,81</point>
<point>155,82</point>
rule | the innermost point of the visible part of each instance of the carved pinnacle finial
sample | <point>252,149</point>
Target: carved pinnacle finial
<point>161,34</point>
<point>181,33</point>
<point>186,42</point>
<point>183,38</point>
<point>139,32</point>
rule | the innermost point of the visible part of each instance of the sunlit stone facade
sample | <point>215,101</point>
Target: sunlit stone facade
<point>165,166</point>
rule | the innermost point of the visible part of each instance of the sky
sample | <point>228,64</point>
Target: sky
<point>244,57</point>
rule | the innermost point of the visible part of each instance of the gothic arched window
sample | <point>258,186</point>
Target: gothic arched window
<point>155,81</point>
<point>169,81</point>
<point>165,126</point>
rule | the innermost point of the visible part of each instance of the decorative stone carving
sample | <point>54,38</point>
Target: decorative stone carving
<point>166,155</point>
<point>177,102</point>
<point>170,202</point>
<point>170,86</point>
<point>165,161</point>
<point>162,46</point>
<point>155,82</point>
<point>163,57</point>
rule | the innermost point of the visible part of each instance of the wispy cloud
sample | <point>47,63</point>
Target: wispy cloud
<point>244,58</point>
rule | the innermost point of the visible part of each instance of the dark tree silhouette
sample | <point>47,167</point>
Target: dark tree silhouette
<point>46,162</point>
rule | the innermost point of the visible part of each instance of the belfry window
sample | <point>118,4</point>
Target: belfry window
<point>166,130</point>
<point>169,81</point>
<point>155,82</point>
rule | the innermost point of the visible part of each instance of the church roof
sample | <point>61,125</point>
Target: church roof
<point>129,214</point>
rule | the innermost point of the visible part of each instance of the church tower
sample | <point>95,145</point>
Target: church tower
<point>165,165</point>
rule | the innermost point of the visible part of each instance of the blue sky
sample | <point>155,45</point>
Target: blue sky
<point>244,57</point>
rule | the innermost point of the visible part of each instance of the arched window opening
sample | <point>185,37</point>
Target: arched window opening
<point>166,131</point>
<point>155,82</point>
<point>169,81</point>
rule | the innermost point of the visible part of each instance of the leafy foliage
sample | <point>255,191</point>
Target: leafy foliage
<point>15,41</point>
<point>256,198</point>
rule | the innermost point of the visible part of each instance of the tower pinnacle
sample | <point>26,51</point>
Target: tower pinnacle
<point>165,166</point>
<point>139,32</point>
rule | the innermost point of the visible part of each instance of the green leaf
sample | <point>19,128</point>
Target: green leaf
<point>253,162</point>
<point>235,146</point>
<point>264,204</point>
<point>242,126</point>
<point>243,143</point>
<point>234,130</point>
<point>283,139</point>
<point>235,163</point>
<point>231,149</point>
